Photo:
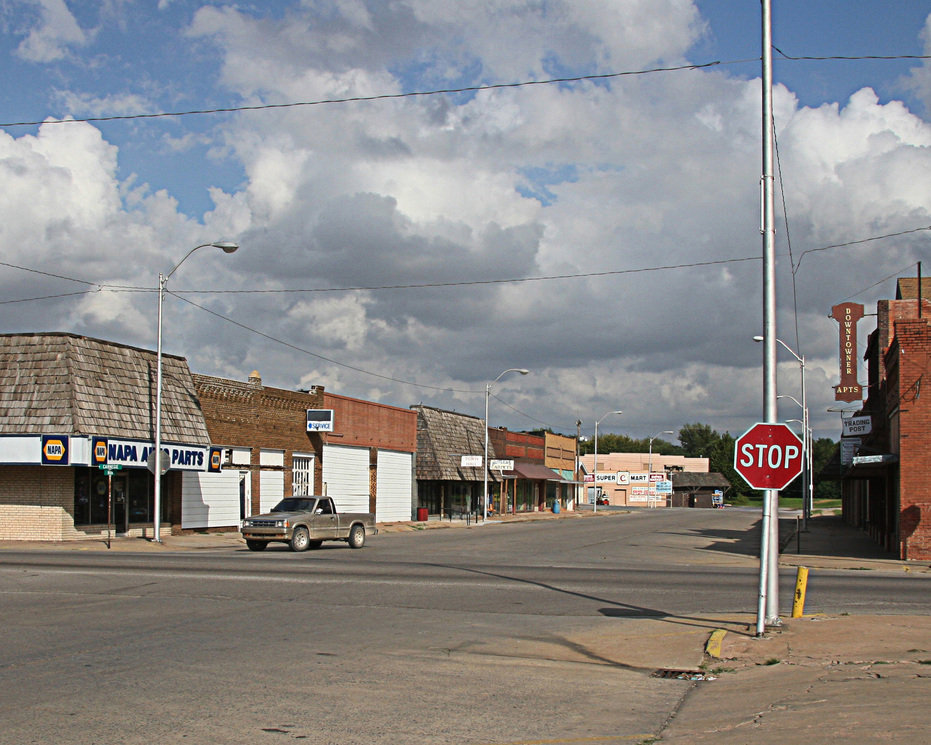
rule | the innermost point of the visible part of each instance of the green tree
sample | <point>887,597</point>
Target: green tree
<point>698,440</point>
<point>822,451</point>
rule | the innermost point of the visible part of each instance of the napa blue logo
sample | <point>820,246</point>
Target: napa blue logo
<point>55,451</point>
<point>99,451</point>
<point>215,463</point>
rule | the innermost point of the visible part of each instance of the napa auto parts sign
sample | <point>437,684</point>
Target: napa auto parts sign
<point>135,454</point>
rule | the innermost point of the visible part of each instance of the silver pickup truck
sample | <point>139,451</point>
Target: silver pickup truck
<point>306,522</point>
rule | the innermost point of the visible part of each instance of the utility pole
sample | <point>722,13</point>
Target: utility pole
<point>768,607</point>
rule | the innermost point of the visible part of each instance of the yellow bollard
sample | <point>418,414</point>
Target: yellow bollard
<point>801,582</point>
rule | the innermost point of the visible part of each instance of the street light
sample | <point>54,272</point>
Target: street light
<point>595,464</point>
<point>488,386</point>
<point>664,432</point>
<point>772,545</point>
<point>226,247</point>
<point>807,461</point>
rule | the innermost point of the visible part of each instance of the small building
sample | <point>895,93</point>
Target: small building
<point>71,404</point>
<point>450,455</point>
<point>632,479</point>
<point>692,489</point>
<point>360,453</point>
<point>530,485</point>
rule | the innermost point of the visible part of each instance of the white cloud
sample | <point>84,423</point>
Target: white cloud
<point>617,179</point>
<point>55,31</point>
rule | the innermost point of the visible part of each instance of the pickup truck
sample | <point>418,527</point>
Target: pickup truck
<point>306,522</point>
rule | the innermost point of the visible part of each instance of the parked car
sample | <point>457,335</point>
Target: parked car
<point>306,522</point>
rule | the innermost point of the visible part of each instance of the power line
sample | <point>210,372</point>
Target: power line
<point>97,287</point>
<point>452,91</point>
<point>376,97</point>
<point>475,282</point>
<point>843,58</point>
<point>296,348</point>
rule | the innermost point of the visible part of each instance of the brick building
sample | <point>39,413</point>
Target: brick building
<point>886,490</point>
<point>629,478</point>
<point>531,485</point>
<point>363,457</point>
<point>70,405</point>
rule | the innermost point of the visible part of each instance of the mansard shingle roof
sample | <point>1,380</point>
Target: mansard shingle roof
<point>57,383</point>
<point>442,438</point>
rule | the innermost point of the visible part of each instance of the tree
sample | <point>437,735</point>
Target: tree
<point>822,451</point>
<point>698,440</point>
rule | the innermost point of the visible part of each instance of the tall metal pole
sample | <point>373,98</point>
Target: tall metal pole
<point>226,247</point>
<point>488,386</point>
<point>485,458</point>
<point>157,468</point>
<point>595,472</point>
<point>768,609</point>
<point>595,464</point>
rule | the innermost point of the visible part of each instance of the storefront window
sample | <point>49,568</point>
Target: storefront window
<point>127,497</point>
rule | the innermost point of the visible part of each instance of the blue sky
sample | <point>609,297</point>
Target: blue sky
<point>628,207</point>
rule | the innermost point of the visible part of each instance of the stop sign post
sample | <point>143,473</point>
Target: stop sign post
<point>768,456</point>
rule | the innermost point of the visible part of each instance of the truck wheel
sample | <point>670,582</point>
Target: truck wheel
<point>257,545</point>
<point>300,539</point>
<point>356,537</point>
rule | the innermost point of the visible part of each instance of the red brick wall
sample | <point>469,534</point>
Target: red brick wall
<point>369,424</point>
<point>908,364</point>
<point>251,415</point>
<point>254,416</point>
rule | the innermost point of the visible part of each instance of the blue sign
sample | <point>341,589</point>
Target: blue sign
<point>55,450</point>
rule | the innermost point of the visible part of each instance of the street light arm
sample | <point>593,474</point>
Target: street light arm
<point>520,370</point>
<point>226,246</point>
<point>791,398</point>
<point>488,386</point>
<point>800,358</point>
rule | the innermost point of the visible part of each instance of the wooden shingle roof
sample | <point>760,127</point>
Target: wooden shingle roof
<point>70,384</point>
<point>697,480</point>
<point>443,437</point>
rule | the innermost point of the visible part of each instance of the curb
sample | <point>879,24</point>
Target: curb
<point>713,645</point>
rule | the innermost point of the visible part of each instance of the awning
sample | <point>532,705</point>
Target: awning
<point>532,472</point>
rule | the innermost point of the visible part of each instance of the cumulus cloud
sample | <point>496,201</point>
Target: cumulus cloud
<point>628,210</point>
<point>54,32</point>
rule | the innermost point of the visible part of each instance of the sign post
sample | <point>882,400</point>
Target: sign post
<point>108,469</point>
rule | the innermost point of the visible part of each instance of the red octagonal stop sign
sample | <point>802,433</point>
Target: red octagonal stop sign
<point>768,456</point>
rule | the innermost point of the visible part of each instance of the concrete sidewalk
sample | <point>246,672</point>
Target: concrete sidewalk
<point>813,680</point>
<point>816,679</point>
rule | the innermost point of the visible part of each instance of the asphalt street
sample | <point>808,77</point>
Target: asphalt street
<point>494,634</point>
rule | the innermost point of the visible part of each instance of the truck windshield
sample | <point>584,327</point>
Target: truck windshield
<point>294,504</point>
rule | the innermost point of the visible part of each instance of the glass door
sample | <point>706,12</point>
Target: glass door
<point>120,503</point>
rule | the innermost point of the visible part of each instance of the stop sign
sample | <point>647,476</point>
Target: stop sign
<point>768,456</point>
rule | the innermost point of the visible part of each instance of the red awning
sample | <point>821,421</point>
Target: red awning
<point>533,472</point>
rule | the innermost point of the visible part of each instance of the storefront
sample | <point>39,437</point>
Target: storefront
<point>76,424</point>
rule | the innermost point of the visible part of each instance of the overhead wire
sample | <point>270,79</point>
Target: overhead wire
<point>375,97</point>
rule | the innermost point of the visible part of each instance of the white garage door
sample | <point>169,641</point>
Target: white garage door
<point>394,487</point>
<point>209,500</point>
<point>271,489</point>
<point>346,475</point>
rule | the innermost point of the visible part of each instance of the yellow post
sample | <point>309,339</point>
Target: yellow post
<point>801,582</point>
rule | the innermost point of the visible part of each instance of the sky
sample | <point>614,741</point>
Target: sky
<point>601,232</point>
